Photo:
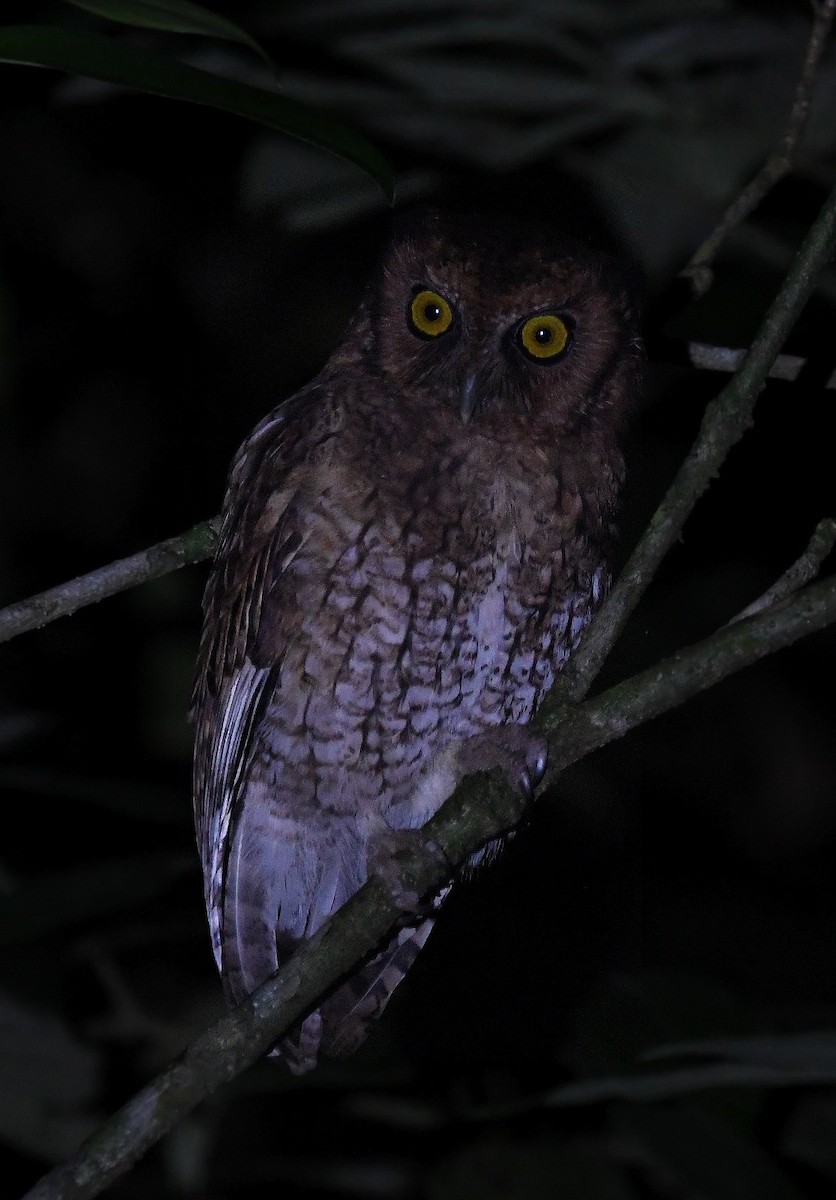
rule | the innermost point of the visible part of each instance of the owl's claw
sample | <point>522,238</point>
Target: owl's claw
<point>521,755</point>
<point>539,748</point>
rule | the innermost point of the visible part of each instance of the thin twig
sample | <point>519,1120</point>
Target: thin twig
<point>778,164</point>
<point>193,546</point>
<point>723,358</point>
<point>726,419</point>
<point>482,807</point>
<point>803,570</point>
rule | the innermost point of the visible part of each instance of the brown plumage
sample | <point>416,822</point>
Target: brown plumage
<point>411,547</point>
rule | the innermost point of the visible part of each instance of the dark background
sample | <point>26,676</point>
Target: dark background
<point>167,274</point>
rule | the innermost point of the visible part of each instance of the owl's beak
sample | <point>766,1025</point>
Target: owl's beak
<point>467,398</point>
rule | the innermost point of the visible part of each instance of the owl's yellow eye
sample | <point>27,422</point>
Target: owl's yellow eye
<point>429,314</point>
<point>544,337</point>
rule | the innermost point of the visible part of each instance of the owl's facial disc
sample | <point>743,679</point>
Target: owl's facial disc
<point>484,357</point>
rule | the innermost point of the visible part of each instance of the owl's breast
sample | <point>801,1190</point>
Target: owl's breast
<point>470,623</point>
<point>412,626</point>
<point>493,639</point>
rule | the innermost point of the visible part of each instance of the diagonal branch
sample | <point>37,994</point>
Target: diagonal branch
<point>805,568</point>
<point>192,546</point>
<point>726,419</point>
<point>481,808</point>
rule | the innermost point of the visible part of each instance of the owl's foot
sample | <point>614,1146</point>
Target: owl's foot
<point>386,845</point>
<point>521,755</point>
<point>300,1050</point>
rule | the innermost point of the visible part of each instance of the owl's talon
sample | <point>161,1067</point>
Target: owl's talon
<point>538,767</point>
<point>520,754</point>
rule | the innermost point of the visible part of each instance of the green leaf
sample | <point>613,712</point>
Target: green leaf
<point>104,58</point>
<point>173,16</point>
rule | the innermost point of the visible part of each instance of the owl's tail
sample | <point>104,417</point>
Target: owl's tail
<point>346,1019</point>
<point>348,1015</point>
<point>269,901</point>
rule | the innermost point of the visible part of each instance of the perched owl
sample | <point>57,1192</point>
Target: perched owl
<point>411,547</point>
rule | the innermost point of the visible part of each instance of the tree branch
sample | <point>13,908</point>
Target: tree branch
<point>481,808</point>
<point>723,358</point>
<point>778,164</point>
<point>803,570</point>
<point>192,546</point>
<point>725,421</point>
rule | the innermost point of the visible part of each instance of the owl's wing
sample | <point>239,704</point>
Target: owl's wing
<point>261,534</point>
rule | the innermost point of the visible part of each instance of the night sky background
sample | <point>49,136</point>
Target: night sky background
<point>168,273</point>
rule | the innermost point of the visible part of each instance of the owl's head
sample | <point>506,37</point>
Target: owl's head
<point>504,322</point>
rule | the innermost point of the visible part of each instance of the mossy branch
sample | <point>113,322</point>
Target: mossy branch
<point>481,808</point>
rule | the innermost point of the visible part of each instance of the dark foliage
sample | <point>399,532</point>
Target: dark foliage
<point>167,273</point>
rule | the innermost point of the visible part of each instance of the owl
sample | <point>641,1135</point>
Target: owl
<point>411,546</point>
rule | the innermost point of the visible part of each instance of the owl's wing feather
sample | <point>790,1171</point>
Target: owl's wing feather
<point>259,536</point>
<point>241,699</point>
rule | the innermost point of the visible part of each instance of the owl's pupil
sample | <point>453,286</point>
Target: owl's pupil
<point>543,335</point>
<point>432,312</point>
